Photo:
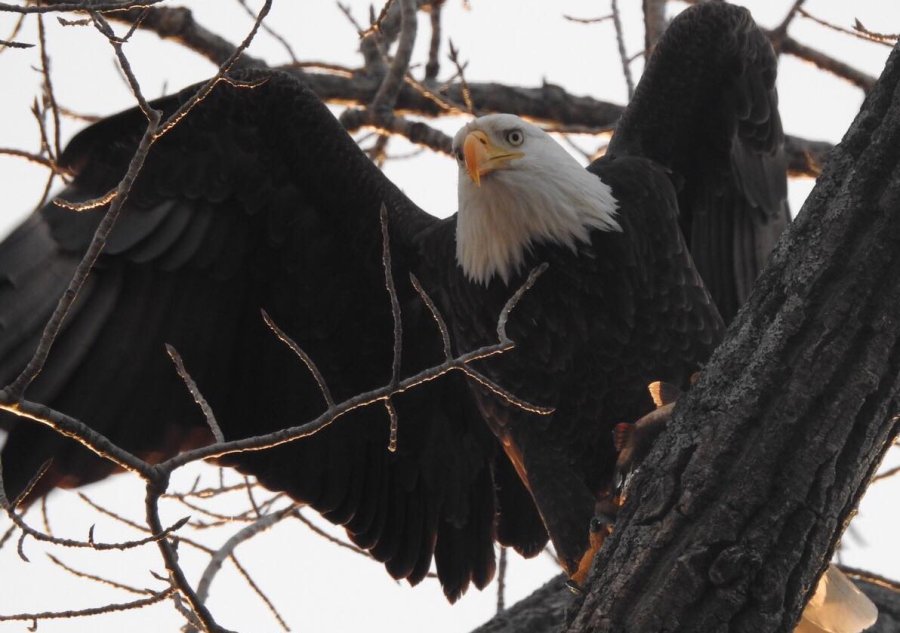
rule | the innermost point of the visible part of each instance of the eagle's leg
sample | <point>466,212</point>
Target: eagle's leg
<point>565,503</point>
<point>632,442</point>
<point>605,510</point>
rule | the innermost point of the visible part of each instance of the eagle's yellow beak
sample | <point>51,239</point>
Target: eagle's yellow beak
<point>483,157</point>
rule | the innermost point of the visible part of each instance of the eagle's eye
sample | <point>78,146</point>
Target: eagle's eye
<point>460,157</point>
<point>515,137</point>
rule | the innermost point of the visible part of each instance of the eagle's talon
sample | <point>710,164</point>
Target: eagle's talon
<point>574,587</point>
<point>601,522</point>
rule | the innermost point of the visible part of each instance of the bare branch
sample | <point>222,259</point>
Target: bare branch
<point>178,24</point>
<point>828,63</point>
<point>602,18</point>
<point>27,530</point>
<point>259,592</point>
<point>392,414</point>
<point>623,56</point>
<point>99,7</point>
<point>780,31</point>
<point>170,558</point>
<point>8,42</point>
<point>377,22</point>
<point>889,37</point>
<point>303,356</point>
<point>328,537</point>
<point>392,293</point>
<point>208,413</point>
<point>442,326</point>
<point>514,300</point>
<point>98,579</point>
<point>505,394</point>
<point>4,44</point>
<point>501,581</point>
<point>432,68</point>
<point>78,431</point>
<point>465,92</point>
<point>654,23</point>
<point>226,66</point>
<point>16,390</point>
<point>227,549</point>
<point>858,31</point>
<point>49,163</point>
<point>79,613</point>
<point>277,36</point>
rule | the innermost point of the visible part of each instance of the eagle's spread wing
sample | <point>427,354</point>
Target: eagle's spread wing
<point>706,108</point>
<point>257,200</point>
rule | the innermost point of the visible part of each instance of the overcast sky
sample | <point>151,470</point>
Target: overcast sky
<point>316,585</point>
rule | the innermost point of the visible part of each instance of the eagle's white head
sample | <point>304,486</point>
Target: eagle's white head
<point>517,188</point>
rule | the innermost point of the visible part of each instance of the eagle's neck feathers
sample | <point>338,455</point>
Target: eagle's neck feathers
<point>514,210</point>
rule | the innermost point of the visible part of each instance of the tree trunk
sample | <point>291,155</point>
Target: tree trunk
<point>544,611</point>
<point>737,510</point>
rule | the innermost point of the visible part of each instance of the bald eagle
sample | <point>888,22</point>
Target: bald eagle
<point>260,200</point>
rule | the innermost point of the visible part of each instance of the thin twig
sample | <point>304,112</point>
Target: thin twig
<point>207,87</point>
<point>858,31</point>
<point>602,18</point>
<point>779,32</point>
<point>9,41</point>
<point>227,549</point>
<point>4,44</point>
<point>328,537</point>
<point>460,71</point>
<point>259,592</point>
<point>375,26</point>
<point>78,431</point>
<point>435,313</point>
<point>501,581</point>
<point>79,613</point>
<point>505,394</point>
<point>392,293</point>
<point>514,300</point>
<point>433,66</point>
<point>99,579</point>
<point>49,163</point>
<point>303,356</point>
<point>277,36</point>
<point>137,526</point>
<point>875,35</point>
<point>27,530</point>
<point>185,376</point>
<point>49,95</point>
<point>170,558</point>
<point>886,474</point>
<point>394,424</point>
<point>65,7</point>
<point>16,390</point>
<point>383,103</point>
<point>623,55</point>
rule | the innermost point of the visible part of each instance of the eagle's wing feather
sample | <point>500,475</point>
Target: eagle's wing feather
<point>257,200</point>
<point>706,108</point>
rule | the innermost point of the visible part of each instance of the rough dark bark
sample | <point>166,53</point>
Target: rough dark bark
<point>544,611</point>
<point>739,507</point>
